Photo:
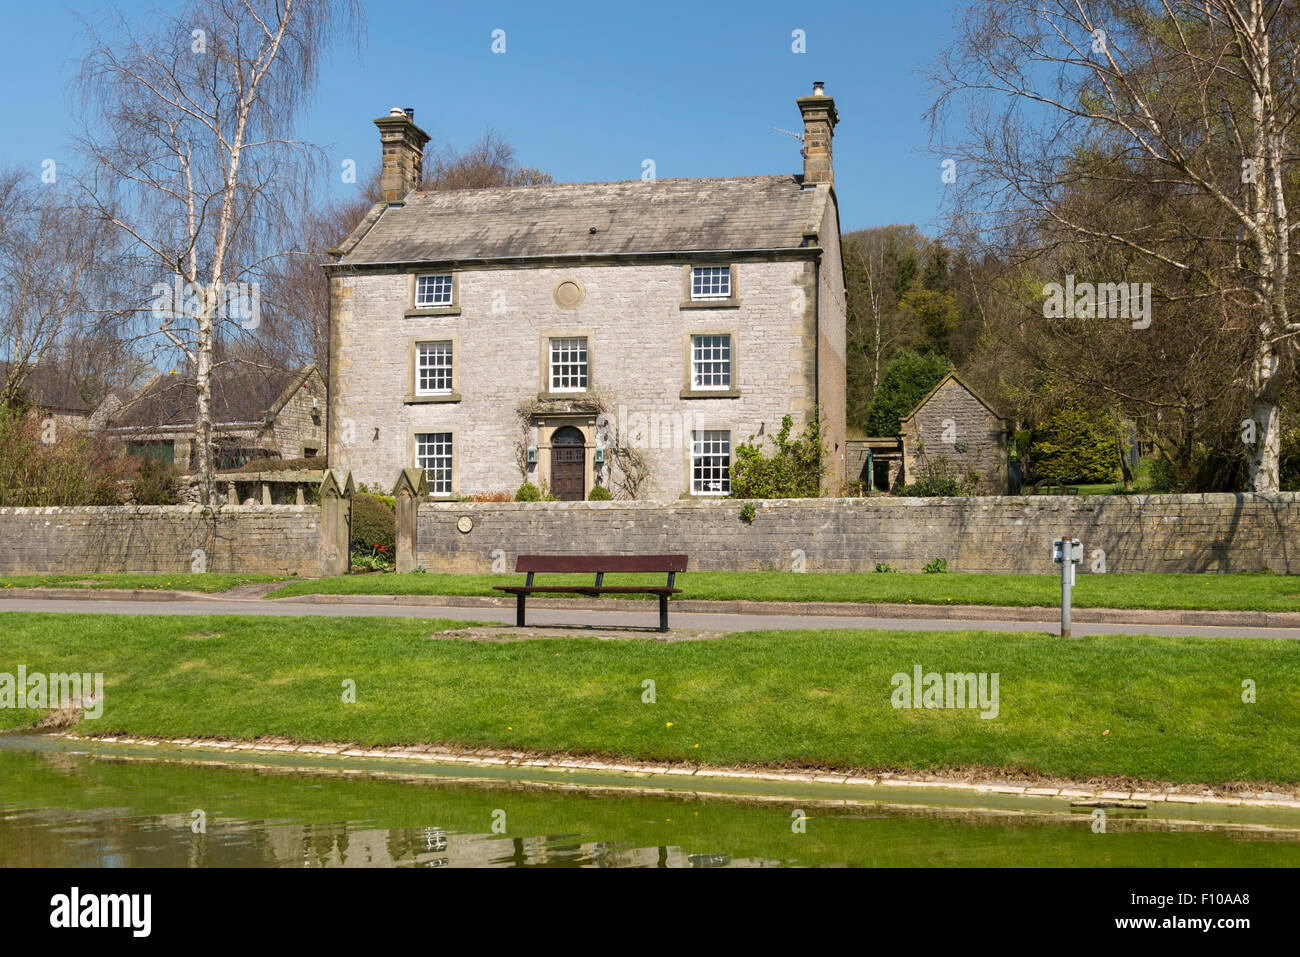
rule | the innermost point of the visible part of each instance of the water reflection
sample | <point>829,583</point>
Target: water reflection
<point>65,809</point>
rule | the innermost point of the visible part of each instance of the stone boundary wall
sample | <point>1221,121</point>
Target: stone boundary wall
<point>304,540</point>
<point>1150,533</point>
<point>247,539</point>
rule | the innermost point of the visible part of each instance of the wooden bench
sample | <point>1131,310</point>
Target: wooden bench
<point>600,566</point>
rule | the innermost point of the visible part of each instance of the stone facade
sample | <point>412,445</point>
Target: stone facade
<point>831,360</point>
<point>637,337</point>
<point>299,429</point>
<point>1172,533</point>
<point>952,431</point>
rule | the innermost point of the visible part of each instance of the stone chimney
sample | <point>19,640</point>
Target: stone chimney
<point>819,119</point>
<point>403,154</point>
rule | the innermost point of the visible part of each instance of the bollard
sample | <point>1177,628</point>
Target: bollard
<point>1066,552</point>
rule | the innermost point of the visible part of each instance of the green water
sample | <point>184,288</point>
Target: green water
<point>63,808</point>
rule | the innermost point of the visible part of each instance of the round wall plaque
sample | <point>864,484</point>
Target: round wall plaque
<point>465,523</point>
<point>569,294</point>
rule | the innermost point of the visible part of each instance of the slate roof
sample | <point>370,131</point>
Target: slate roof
<point>49,387</point>
<point>240,393</point>
<point>664,215</point>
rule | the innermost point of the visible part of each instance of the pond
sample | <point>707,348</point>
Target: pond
<point>68,806</point>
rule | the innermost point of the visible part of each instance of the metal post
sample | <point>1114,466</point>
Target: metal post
<point>1066,568</point>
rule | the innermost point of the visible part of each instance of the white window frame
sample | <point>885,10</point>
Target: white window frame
<point>430,449</point>
<point>439,283</point>
<point>558,369</point>
<point>444,347</point>
<point>698,360</point>
<point>711,288</point>
<point>702,447</point>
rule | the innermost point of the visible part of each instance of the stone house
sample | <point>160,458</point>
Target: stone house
<point>49,389</point>
<point>625,334</point>
<point>954,431</point>
<point>257,412</point>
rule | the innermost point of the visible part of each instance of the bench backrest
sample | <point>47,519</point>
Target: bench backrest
<point>591,564</point>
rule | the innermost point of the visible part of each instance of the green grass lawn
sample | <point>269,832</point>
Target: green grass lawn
<point>1152,708</point>
<point>206,583</point>
<point>1261,592</point>
<point>1242,592</point>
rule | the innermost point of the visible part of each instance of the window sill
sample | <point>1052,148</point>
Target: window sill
<point>428,399</point>
<point>732,393</point>
<point>452,310</point>
<point>732,303</point>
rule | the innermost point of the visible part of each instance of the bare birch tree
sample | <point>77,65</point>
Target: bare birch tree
<point>1078,113</point>
<point>49,265</point>
<point>189,130</point>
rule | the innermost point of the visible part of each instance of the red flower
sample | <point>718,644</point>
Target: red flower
<point>381,548</point>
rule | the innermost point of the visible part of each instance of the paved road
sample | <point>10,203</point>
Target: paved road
<point>712,621</point>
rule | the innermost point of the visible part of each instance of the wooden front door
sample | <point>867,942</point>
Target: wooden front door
<point>568,465</point>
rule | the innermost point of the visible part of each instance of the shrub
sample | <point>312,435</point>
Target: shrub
<point>374,526</point>
<point>1164,477</point>
<point>1290,464</point>
<point>375,490</point>
<point>281,465</point>
<point>1074,446</point>
<point>936,480</point>
<point>937,567</point>
<point>600,494</point>
<point>373,562</point>
<point>905,383</point>
<point>487,497</point>
<point>748,512</point>
<point>528,492</point>
<point>74,469</point>
<point>934,486</point>
<point>155,482</point>
<point>884,568</point>
<point>794,469</point>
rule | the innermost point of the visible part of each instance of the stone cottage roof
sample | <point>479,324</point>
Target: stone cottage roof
<point>241,393</point>
<point>664,215</point>
<point>49,387</point>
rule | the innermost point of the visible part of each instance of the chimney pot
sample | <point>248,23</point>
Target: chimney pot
<point>819,88</point>
<point>410,112</point>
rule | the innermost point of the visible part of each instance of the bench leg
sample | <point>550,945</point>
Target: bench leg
<point>519,611</point>
<point>663,612</point>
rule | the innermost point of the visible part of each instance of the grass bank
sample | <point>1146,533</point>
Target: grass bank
<point>207,583</point>
<point>1147,708</point>
<point>1245,592</point>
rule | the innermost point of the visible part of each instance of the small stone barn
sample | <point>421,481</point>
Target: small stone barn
<point>257,412</point>
<point>955,432</point>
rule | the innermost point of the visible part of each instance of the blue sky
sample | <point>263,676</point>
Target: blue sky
<point>586,91</point>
